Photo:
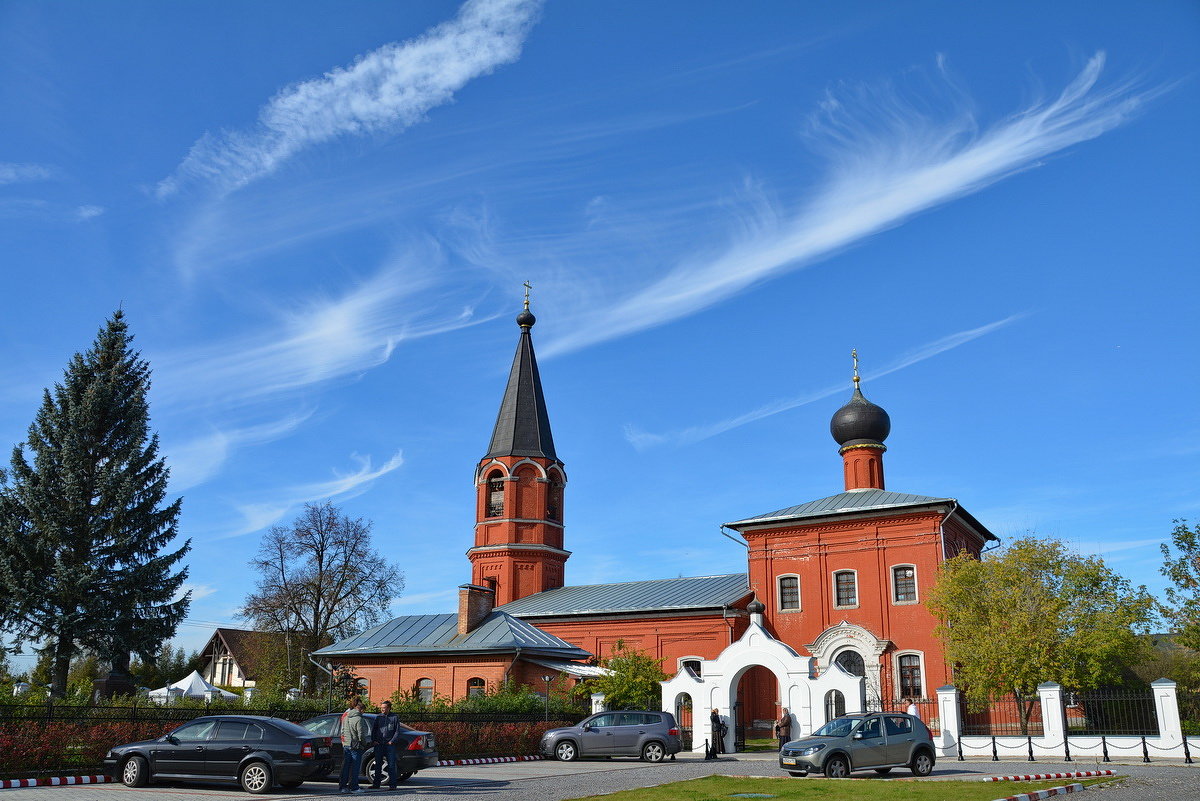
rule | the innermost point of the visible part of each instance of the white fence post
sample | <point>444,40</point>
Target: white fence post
<point>1054,724</point>
<point>1166,705</point>
<point>949,718</point>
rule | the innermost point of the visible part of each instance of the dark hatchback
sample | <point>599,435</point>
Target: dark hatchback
<point>417,750</point>
<point>256,752</point>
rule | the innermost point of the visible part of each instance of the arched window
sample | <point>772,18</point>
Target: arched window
<point>424,688</point>
<point>904,584</point>
<point>476,686</point>
<point>845,587</point>
<point>495,494</point>
<point>910,676</point>
<point>851,661</point>
<point>554,494</point>
<point>789,593</point>
<point>691,664</point>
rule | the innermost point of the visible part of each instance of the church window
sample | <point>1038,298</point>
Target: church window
<point>554,498</point>
<point>424,690</point>
<point>852,662</point>
<point>910,676</point>
<point>495,494</point>
<point>904,584</point>
<point>475,686</point>
<point>789,592</point>
<point>691,664</point>
<point>846,588</point>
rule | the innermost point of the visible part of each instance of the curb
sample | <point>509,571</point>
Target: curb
<point>449,763</point>
<point>1027,777</point>
<point>56,781</point>
<point>1039,794</point>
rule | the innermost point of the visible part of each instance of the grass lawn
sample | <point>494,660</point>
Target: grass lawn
<point>720,788</point>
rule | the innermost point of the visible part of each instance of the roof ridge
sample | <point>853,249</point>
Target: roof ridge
<point>639,581</point>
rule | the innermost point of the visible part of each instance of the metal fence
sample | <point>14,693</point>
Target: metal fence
<point>1189,712</point>
<point>1106,712</point>
<point>1014,715</point>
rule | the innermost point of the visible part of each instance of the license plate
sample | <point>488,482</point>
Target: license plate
<point>788,761</point>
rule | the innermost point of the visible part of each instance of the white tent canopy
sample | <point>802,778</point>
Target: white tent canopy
<point>193,686</point>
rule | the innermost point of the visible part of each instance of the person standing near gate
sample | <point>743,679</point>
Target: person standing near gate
<point>912,708</point>
<point>783,728</point>
<point>718,731</point>
<point>355,733</point>
<point>384,731</point>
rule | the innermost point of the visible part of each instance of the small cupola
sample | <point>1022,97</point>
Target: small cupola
<point>859,428</point>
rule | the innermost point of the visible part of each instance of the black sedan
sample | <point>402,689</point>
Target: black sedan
<point>416,751</point>
<point>256,752</point>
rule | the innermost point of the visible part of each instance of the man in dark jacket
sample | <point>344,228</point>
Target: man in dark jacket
<point>385,732</point>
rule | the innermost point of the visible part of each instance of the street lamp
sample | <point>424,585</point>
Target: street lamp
<point>547,679</point>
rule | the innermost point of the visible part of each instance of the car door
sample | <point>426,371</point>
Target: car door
<point>869,745</point>
<point>627,733</point>
<point>900,738</point>
<point>186,751</point>
<point>230,741</point>
<point>596,739</point>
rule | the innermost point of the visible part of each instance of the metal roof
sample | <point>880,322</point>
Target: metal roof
<point>863,500</point>
<point>699,592</point>
<point>413,634</point>
<point>523,426</point>
<point>571,668</point>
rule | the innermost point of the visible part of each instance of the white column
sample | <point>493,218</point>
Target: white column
<point>598,703</point>
<point>950,720</point>
<point>1166,704</point>
<point>1054,723</point>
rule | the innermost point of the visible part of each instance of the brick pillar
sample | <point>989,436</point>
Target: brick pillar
<point>474,604</point>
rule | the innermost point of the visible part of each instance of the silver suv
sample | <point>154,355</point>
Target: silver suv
<point>879,741</point>
<point>650,735</point>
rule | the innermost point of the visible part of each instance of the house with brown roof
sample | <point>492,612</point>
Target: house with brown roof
<point>240,658</point>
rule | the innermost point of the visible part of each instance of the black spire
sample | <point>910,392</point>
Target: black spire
<point>523,427</point>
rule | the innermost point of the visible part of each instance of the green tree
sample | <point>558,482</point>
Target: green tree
<point>1035,612</point>
<point>169,665</point>
<point>320,580</point>
<point>83,523</point>
<point>632,681</point>
<point>1183,569</point>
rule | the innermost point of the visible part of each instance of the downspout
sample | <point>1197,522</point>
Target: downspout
<point>329,672</point>
<point>511,665</point>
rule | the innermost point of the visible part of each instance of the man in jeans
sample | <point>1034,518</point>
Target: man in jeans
<point>385,730</point>
<point>354,740</point>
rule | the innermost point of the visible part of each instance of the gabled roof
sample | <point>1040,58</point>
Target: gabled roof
<point>699,592</point>
<point>523,426</point>
<point>857,501</point>
<point>247,647</point>
<point>421,634</point>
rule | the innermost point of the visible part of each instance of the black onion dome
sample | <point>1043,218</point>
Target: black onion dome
<point>860,422</point>
<point>756,607</point>
<point>526,319</point>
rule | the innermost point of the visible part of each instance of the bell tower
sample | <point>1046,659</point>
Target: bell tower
<point>519,485</point>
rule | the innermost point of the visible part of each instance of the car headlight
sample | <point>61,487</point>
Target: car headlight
<point>812,749</point>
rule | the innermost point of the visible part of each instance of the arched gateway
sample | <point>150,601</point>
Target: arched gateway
<point>716,685</point>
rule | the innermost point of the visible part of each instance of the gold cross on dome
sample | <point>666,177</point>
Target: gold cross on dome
<point>528,286</point>
<point>854,355</point>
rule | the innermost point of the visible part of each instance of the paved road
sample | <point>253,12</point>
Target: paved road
<point>556,781</point>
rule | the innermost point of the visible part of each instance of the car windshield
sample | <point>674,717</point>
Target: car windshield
<point>839,727</point>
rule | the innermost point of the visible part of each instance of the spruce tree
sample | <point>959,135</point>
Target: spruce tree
<point>83,524</point>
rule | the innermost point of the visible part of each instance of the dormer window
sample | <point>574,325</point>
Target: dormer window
<point>495,494</point>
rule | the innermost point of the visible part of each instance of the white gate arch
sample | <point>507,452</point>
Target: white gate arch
<point>716,686</point>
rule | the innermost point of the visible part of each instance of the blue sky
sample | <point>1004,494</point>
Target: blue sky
<point>318,217</point>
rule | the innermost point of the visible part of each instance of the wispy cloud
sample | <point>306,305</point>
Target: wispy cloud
<point>388,89</point>
<point>88,212</point>
<point>642,439</point>
<point>344,485</point>
<point>198,459</point>
<point>12,173</point>
<point>888,159</point>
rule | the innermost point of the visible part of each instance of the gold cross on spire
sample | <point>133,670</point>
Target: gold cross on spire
<point>854,355</point>
<point>528,286</point>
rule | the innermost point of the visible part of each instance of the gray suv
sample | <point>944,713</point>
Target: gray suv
<point>650,735</point>
<point>876,740</point>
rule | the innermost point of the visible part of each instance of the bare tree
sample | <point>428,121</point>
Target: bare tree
<point>320,580</point>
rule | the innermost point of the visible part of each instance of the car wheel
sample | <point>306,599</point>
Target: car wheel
<point>255,778</point>
<point>369,771</point>
<point>922,763</point>
<point>836,767</point>
<point>566,751</point>
<point>135,773</point>
<point>653,752</point>
<point>291,785</point>
<point>798,773</point>
<point>403,777</point>
<point>883,771</point>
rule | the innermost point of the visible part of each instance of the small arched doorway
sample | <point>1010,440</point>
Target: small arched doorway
<point>683,717</point>
<point>757,708</point>
<point>835,705</point>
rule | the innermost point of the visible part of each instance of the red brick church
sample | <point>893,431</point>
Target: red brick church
<point>840,580</point>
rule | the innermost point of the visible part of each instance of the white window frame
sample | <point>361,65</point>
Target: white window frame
<point>834,587</point>
<point>892,582</point>
<point>779,593</point>
<point>679,662</point>
<point>920,655</point>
